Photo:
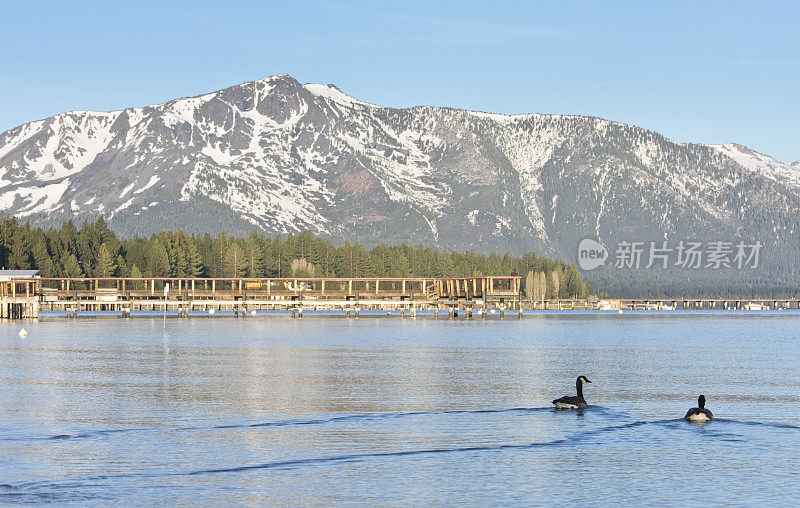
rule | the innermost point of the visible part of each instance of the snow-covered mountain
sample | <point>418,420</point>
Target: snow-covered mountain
<point>280,156</point>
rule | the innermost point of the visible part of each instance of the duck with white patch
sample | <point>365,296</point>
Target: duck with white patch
<point>578,402</point>
<point>699,413</point>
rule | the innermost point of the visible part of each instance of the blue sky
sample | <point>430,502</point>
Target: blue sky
<point>707,72</point>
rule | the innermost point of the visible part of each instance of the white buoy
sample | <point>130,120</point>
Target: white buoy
<point>252,313</point>
<point>619,311</point>
<point>211,311</point>
<point>23,333</point>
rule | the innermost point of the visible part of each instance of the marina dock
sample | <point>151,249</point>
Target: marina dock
<point>294,295</point>
<point>23,297</point>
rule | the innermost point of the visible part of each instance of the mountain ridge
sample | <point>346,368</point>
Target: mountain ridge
<point>353,99</point>
<point>280,156</point>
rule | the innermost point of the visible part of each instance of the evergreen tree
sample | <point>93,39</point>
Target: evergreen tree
<point>573,285</point>
<point>179,263</point>
<point>86,244</point>
<point>362,264</point>
<point>255,261</point>
<point>444,266</point>
<point>67,236</point>
<point>219,253</point>
<point>105,263</point>
<point>8,228</point>
<point>106,236</point>
<point>589,289</point>
<point>234,261</point>
<point>122,268</point>
<point>279,256</point>
<point>551,290</point>
<point>398,265</point>
<point>136,274</point>
<point>42,260</point>
<point>205,248</point>
<point>158,260</point>
<point>20,256</point>
<point>71,268</point>
<point>381,259</point>
<point>327,261</point>
<point>194,260</point>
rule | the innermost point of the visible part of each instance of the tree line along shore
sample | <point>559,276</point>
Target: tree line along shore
<point>94,250</point>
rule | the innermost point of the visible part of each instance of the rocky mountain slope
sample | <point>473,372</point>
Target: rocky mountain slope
<point>283,157</point>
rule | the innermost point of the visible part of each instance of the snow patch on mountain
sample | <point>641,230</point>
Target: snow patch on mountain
<point>123,206</point>
<point>11,139</point>
<point>763,164</point>
<point>183,110</point>
<point>501,118</point>
<point>153,180</point>
<point>218,155</point>
<point>334,94</point>
<point>126,190</point>
<point>55,148</point>
<point>528,150</point>
<point>31,200</point>
<point>404,181</point>
<point>647,152</point>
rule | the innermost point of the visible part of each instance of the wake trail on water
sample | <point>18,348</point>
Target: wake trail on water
<point>574,439</point>
<point>366,417</point>
<point>290,464</point>
<point>787,426</point>
<point>9,492</point>
<point>297,422</point>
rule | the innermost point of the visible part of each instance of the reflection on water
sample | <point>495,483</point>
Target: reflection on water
<point>400,412</point>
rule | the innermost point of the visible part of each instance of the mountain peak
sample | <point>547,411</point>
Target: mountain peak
<point>274,77</point>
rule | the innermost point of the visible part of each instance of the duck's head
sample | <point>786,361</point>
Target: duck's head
<point>582,380</point>
<point>701,401</point>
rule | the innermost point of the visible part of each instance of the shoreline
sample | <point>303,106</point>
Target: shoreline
<point>427,315</point>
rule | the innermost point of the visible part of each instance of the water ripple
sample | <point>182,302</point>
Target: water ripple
<point>760,424</point>
<point>301,422</point>
<point>53,492</point>
<point>47,491</point>
<point>573,439</point>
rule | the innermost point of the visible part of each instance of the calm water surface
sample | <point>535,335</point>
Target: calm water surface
<point>390,411</point>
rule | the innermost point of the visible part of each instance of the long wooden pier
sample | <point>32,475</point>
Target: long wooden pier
<point>293,294</point>
<point>23,298</point>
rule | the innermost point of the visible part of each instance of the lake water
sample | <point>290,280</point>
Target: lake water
<point>401,412</point>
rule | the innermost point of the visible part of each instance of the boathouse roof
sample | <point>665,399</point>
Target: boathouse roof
<point>18,274</point>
